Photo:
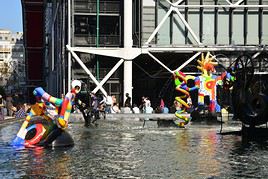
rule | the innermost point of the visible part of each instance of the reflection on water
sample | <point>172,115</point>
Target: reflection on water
<point>123,149</point>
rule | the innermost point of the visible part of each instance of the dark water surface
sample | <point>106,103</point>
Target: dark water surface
<point>123,149</point>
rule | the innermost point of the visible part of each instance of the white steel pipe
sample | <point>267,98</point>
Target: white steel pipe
<point>158,27</point>
<point>187,62</point>
<point>158,61</point>
<point>128,42</point>
<point>86,69</point>
<point>108,76</point>
<point>239,2</point>
<point>69,54</point>
<point>187,26</point>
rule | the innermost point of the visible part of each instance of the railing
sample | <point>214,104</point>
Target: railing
<point>91,7</point>
<point>90,40</point>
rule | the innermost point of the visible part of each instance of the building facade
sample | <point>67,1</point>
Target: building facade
<point>134,46</point>
<point>12,61</point>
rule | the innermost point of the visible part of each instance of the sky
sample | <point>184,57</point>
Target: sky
<point>11,15</point>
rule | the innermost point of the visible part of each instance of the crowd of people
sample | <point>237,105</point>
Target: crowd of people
<point>97,105</point>
<point>13,106</point>
<point>104,105</point>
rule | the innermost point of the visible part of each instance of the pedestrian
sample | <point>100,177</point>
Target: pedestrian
<point>114,99</point>
<point>2,108</point>
<point>9,105</point>
<point>135,109</point>
<point>142,105</point>
<point>164,108</point>
<point>147,105</point>
<point>116,108</point>
<point>20,113</point>
<point>95,106</point>
<point>108,104</point>
<point>84,106</point>
<point>16,100</point>
<point>128,101</point>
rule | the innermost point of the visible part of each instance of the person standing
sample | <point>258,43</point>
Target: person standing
<point>108,104</point>
<point>128,101</point>
<point>95,106</point>
<point>2,108</point>
<point>115,108</point>
<point>9,105</point>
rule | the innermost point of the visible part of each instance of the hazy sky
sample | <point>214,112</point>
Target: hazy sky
<point>11,15</point>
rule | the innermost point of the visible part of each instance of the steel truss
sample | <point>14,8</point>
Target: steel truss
<point>129,53</point>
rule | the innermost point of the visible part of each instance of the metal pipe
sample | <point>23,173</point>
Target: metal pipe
<point>187,26</point>
<point>162,21</point>
<point>69,43</point>
<point>239,2</point>
<point>85,69</point>
<point>245,24</point>
<point>97,39</point>
<point>203,49</point>
<point>230,25</point>
<point>158,27</point>
<point>63,47</point>
<point>171,28</point>
<point>186,32</point>
<point>108,75</point>
<point>158,61</point>
<point>201,15</point>
<point>156,19</point>
<point>260,22</point>
<point>187,62</point>
<point>220,6</point>
<point>216,14</point>
<point>128,44</point>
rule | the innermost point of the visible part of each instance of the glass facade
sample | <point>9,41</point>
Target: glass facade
<point>85,23</point>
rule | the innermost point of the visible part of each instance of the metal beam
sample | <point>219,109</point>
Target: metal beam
<point>238,2</point>
<point>103,81</point>
<point>69,54</point>
<point>86,69</point>
<point>191,49</point>
<point>158,61</point>
<point>125,53</point>
<point>188,61</point>
<point>221,6</point>
<point>158,27</point>
<point>163,20</point>
<point>187,26</point>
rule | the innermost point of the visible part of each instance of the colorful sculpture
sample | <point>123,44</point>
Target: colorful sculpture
<point>207,82</point>
<point>206,85</point>
<point>43,125</point>
<point>181,86</point>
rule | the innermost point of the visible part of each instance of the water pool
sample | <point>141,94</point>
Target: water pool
<point>123,149</point>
